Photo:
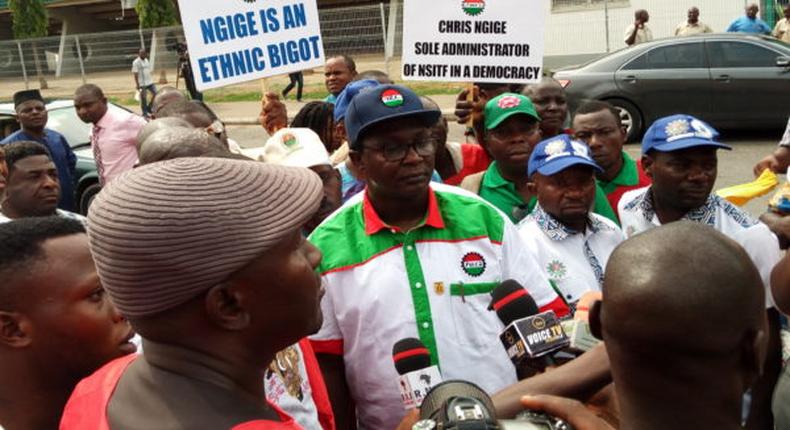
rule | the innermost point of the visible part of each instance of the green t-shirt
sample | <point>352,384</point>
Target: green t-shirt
<point>502,193</point>
<point>628,176</point>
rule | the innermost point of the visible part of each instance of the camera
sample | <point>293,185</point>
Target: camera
<point>181,48</point>
<point>461,405</point>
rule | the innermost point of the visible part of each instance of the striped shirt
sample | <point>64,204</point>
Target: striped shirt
<point>432,283</point>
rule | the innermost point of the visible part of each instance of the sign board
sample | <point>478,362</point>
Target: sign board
<point>233,41</point>
<point>474,40</point>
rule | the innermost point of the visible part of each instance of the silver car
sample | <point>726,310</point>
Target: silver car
<point>730,80</point>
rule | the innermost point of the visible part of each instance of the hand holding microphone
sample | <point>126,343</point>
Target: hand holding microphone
<point>530,337</point>
<point>578,329</point>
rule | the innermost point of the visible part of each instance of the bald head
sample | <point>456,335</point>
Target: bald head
<point>89,89</point>
<point>752,9</point>
<point>159,124</point>
<point>700,294</point>
<point>545,82</point>
<point>177,142</point>
<point>164,97</point>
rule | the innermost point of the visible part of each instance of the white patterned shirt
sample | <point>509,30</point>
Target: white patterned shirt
<point>574,262</point>
<point>637,215</point>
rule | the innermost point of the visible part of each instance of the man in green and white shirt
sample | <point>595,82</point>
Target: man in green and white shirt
<point>407,258</point>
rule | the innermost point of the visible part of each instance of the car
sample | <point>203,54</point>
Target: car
<point>730,80</point>
<point>63,119</point>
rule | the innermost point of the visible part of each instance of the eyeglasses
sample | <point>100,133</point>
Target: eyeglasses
<point>216,129</point>
<point>394,152</point>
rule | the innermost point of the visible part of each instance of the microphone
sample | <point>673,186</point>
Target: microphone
<point>578,329</point>
<point>417,375</point>
<point>530,336</point>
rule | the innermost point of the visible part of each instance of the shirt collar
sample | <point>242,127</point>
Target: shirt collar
<point>705,214</point>
<point>105,120</point>
<point>493,179</point>
<point>556,230</point>
<point>628,175</point>
<point>374,223</point>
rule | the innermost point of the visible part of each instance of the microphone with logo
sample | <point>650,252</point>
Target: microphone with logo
<point>578,328</point>
<point>530,336</point>
<point>417,376</point>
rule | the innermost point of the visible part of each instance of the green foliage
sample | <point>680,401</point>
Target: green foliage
<point>29,18</point>
<point>156,13</point>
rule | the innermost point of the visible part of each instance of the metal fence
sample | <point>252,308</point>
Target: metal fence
<point>357,30</point>
<point>574,28</point>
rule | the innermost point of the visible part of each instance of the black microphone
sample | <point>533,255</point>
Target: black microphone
<point>530,336</point>
<point>417,375</point>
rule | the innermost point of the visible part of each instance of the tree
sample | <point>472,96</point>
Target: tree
<point>155,14</point>
<point>30,20</point>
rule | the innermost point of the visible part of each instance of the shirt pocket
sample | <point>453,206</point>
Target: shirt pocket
<point>475,325</point>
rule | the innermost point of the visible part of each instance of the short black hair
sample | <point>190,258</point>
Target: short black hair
<point>319,117</point>
<point>90,89</point>
<point>352,66</point>
<point>594,106</point>
<point>17,151</point>
<point>20,245</point>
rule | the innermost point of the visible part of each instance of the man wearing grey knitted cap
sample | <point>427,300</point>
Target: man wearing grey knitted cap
<point>205,258</point>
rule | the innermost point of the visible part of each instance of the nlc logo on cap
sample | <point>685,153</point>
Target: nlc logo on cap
<point>509,102</point>
<point>473,7</point>
<point>392,98</point>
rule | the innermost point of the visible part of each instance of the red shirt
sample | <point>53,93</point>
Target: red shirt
<point>475,160</point>
<point>87,406</point>
<point>631,177</point>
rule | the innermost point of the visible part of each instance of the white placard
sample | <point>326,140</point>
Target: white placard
<point>474,40</point>
<point>233,41</point>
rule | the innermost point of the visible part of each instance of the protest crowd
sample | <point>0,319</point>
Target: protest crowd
<point>210,287</point>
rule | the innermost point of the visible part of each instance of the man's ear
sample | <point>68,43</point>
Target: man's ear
<point>532,187</point>
<point>647,165</point>
<point>360,169</point>
<point>15,330</point>
<point>224,306</point>
<point>595,319</point>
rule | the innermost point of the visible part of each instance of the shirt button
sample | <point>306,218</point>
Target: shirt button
<point>418,285</point>
<point>569,296</point>
<point>409,248</point>
<point>393,231</point>
<point>426,325</point>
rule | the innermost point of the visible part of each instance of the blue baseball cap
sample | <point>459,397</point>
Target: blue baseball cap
<point>554,155</point>
<point>348,94</point>
<point>676,132</point>
<point>384,103</point>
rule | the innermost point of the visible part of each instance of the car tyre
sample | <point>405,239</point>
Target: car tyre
<point>87,196</point>
<point>631,118</point>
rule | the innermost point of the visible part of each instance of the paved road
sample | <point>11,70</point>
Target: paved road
<point>735,166</point>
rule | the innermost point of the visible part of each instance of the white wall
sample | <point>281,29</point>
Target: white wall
<point>584,32</point>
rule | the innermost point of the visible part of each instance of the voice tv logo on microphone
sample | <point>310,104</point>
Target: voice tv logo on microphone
<point>535,335</point>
